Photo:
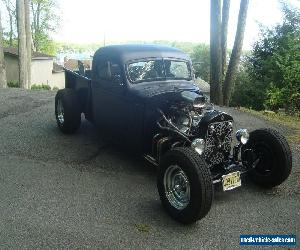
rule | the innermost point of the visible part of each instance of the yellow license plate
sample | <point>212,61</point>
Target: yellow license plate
<point>231,181</point>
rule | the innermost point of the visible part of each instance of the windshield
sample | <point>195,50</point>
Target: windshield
<point>158,70</point>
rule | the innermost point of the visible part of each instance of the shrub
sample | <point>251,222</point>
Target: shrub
<point>13,84</point>
<point>55,88</point>
<point>294,104</point>
<point>275,98</point>
<point>40,87</point>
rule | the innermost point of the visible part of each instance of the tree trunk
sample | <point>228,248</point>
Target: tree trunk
<point>236,52</point>
<point>215,53</point>
<point>11,30</point>
<point>28,40</point>
<point>3,83</point>
<point>37,27</point>
<point>22,44</point>
<point>225,18</point>
<point>33,26</point>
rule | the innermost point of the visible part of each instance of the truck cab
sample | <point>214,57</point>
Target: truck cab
<point>126,85</point>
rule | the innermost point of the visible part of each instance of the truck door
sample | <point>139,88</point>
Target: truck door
<point>108,97</point>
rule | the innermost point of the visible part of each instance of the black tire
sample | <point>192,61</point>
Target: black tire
<point>200,182</point>
<point>71,111</point>
<point>275,157</point>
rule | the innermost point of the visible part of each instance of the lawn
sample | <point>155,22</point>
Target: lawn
<point>289,121</point>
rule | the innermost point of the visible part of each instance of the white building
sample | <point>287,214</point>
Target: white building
<point>43,69</point>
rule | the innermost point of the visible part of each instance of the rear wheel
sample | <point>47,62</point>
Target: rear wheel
<point>272,157</point>
<point>67,111</point>
<point>184,184</point>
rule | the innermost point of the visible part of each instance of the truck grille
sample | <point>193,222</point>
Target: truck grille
<point>218,142</point>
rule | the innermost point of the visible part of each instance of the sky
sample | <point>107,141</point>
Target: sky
<point>147,20</point>
<point>120,21</point>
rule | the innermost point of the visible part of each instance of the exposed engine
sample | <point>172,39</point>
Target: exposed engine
<point>207,130</point>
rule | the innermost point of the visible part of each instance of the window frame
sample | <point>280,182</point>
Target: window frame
<point>164,70</point>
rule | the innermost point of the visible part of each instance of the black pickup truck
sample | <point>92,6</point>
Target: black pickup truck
<point>144,97</point>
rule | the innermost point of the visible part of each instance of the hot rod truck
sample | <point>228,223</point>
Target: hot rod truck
<point>144,97</point>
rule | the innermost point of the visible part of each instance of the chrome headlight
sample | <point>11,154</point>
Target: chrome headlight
<point>242,136</point>
<point>199,145</point>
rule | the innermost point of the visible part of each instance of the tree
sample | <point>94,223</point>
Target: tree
<point>3,82</point>
<point>224,31</point>
<point>215,52</point>
<point>218,55</point>
<point>11,10</point>
<point>44,21</point>
<point>271,76</point>
<point>201,61</point>
<point>236,51</point>
<point>274,67</point>
<point>23,78</point>
<point>28,40</point>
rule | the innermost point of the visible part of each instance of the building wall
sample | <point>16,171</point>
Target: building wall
<point>58,80</point>
<point>41,72</point>
<point>12,68</point>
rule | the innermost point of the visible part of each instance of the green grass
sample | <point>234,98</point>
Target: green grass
<point>292,122</point>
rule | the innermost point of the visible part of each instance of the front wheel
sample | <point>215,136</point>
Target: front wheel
<point>184,184</point>
<point>272,157</point>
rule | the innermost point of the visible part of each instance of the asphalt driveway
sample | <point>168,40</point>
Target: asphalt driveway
<point>76,192</point>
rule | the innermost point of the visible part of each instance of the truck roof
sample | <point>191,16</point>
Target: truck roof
<point>128,52</point>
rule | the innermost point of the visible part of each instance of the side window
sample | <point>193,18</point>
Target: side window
<point>109,71</point>
<point>102,70</point>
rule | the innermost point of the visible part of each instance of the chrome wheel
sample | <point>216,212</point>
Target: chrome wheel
<point>177,187</point>
<point>60,111</point>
